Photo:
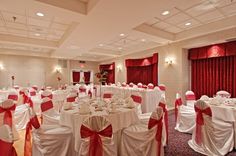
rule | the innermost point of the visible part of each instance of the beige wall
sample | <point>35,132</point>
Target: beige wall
<point>37,70</point>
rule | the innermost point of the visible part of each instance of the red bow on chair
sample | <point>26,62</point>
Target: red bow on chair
<point>13,97</point>
<point>107,95</point>
<point>200,122</point>
<point>190,97</point>
<point>70,99</point>
<point>163,106</point>
<point>46,106</point>
<point>28,100</point>
<point>82,90</point>
<point>7,149</point>
<point>178,102</point>
<point>32,93</point>
<point>136,98</point>
<point>153,122</point>
<point>8,114</point>
<point>28,146</point>
<point>95,146</point>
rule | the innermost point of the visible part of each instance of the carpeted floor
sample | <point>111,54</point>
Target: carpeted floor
<point>177,145</point>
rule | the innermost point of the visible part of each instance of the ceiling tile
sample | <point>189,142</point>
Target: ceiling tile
<point>62,21</point>
<point>1,23</point>
<point>152,21</point>
<point>3,29</point>
<point>33,35</point>
<point>194,23</point>
<point>172,12</point>
<point>162,25</point>
<point>40,23</point>
<point>210,17</point>
<point>59,26</point>
<point>222,3</point>
<point>173,29</point>
<point>229,10</point>
<point>179,18</point>
<point>200,9</point>
<point>38,29</point>
<point>9,17</point>
<point>17,32</point>
<point>185,4</point>
<point>16,25</point>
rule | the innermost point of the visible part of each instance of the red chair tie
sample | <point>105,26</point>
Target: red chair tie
<point>107,95</point>
<point>13,97</point>
<point>190,97</point>
<point>28,146</point>
<point>95,145</point>
<point>35,88</point>
<point>162,88</point>
<point>90,94</point>
<point>7,149</point>
<point>154,122</point>
<point>163,106</point>
<point>136,98</point>
<point>178,102</point>
<point>200,122</point>
<point>82,90</point>
<point>70,99</point>
<point>32,93</point>
<point>46,106</point>
<point>7,114</point>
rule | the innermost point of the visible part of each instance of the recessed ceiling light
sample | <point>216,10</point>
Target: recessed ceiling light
<point>120,48</point>
<point>37,34</point>
<point>39,14</point>
<point>165,13</point>
<point>187,24</point>
<point>101,45</point>
<point>143,40</point>
<point>122,35</point>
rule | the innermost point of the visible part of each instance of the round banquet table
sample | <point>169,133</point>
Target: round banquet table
<point>122,118</point>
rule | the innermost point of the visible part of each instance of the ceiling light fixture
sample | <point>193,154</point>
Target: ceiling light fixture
<point>122,35</point>
<point>37,34</point>
<point>120,48</point>
<point>143,40</point>
<point>39,14</point>
<point>187,24</point>
<point>165,13</point>
<point>101,45</point>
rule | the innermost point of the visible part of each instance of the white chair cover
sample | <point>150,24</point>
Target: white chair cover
<point>137,98</point>
<point>190,98</point>
<point>223,93</point>
<point>185,117</point>
<point>21,116</point>
<point>92,130</point>
<point>70,99</point>
<point>211,137</point>
<point>150,86</point>
<point>47,93</point>
<point>204,98</point>
<point>140,85</point>
<point>7,109</point>
<point>49,114</point>
<point>144,140</point>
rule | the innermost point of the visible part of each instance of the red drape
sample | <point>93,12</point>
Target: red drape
<point>110,69</point>
<point>76,77</point>
<point>142,70</point>
<point>87,77</point>
<point>214,74</point>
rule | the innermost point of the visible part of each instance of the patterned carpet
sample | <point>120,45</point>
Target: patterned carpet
<point>178,142</point>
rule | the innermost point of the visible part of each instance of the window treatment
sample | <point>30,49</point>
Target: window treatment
<point>110,69</point>
<point>142,70</point>
<point>213,68</point>
<point>76,77</point>
<point>87,77</point>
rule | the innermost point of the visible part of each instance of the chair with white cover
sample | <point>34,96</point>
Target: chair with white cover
<point>7,109</point>
<point>162,87</point>
<point>131,85</point>
<point>35,87</point>
<point>13,95</point>
<point>144,140</point>
<point>210,136</point>
<point>150,86</point>
<point>70,99</point>
<point>47,140</point>
<point>47,93</point>
<point>140,85</point>
<point>49,114</point>
<point>163,105</point>
<point>32,92</point>
<point>185,116</point>
<point>190,98</point>
<point>137,98</point>
<point>82,90</point>
<point>223,93</point>
<point>124,84</point>
<point>6,141</point>
<point>96,137</point>
<point>204,98</point>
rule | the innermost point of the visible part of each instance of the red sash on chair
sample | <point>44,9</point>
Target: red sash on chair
<point>32,93</point>
<point>49,96</point>
<point>162,88</point>
<point>71,99</point>
<point>136,98</point>
<point>7,114</point>
<point>7,149</point>
<point>82,90</point>
<point>46,106</point>
<point>28,146</point>
<point>163,106</point>
<point>13,97</point>
<point>154,122</point>
<point>107,95</point>
<point>178,102</point>
<point>150,86</point>
<point>35,88</point>
<point>190,97</point>
<point>200,122</point>
<point>28,100</point>
<point>90,94</point>
<point>95,146</point>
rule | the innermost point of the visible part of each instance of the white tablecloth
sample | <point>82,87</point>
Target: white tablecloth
<point>150,97</point>
<point>122,118</point>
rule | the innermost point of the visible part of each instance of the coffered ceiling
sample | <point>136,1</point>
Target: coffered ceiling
<point>97,30</point>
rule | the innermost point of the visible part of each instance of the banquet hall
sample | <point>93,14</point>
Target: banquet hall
<point>117,77</point>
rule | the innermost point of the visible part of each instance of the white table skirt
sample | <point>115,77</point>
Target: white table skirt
<point>119,120</point>
<point>150,97</point>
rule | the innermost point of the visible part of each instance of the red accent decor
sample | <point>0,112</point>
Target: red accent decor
<point>95,145</point>
<point>110,69</point>
<point>70,99</point>
<point>190,97</point>
<point>7,149</point>
<point>178,102</point>
<point>163,106</point>
<point>75,77</point>
<point>200,122</point>
<point>32,93</point>
<point>162,88</point>
<point>46,106</point>
<point>107,95</point>
<point>137,99</point>
<point>87,77</point>
<point>90,93</point>
<point>82,90</point>
<point>153,122</point>
<point>7,114</point>
<point>13,97</point>
<point>142,70</point>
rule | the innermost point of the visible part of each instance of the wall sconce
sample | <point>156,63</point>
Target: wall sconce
<point>119,67</point>
<point>169,61</point>
<point>1,67</point>
<point>58,69</point>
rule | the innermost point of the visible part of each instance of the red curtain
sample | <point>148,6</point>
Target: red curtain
<point>110,69</point>
<point>87,77</point>
<point>214,74</point>
<point>76,77</point>
<point>142,70</point>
